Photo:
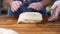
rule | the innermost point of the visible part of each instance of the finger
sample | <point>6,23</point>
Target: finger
<point>30,6</point>
<point>20,2</point>
<point>33,6</point>
<point>55,15</point>
<point>54,6</point>
<point>13,8</point>
<point>57,11</point>
<point>50,19</point>
<point>17,4</point>
<point>37,8</point>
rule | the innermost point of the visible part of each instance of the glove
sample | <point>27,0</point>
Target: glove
<point>55,9</point>
<point>36,6</point>
<point>15,5</point>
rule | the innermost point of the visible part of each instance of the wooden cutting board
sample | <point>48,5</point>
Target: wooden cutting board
<point>44,27</point>
<point>13,20</point>
<point>8,20</point>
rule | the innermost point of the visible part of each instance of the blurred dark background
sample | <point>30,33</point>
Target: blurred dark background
<point>3,7</point>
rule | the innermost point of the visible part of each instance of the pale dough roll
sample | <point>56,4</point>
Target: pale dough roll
<point>30,17</point>
<point>7,31</point>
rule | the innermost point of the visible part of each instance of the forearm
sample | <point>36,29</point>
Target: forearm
<point>45,2</point>
<point>9,1</point>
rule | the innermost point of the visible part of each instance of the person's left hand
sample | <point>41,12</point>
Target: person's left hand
<point>55,9</point>
<point>36,6</point>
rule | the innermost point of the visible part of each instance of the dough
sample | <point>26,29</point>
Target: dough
<point>7,31</point>
<point>30,17</point>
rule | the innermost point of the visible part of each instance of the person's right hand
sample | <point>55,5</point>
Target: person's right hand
<point>15,5</point>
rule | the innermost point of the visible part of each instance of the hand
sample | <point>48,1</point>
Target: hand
<point>56,10</point>
<point>15,5</point>
<point>36,6</point>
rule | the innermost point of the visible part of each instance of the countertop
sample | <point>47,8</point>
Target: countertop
<point>44,27</point>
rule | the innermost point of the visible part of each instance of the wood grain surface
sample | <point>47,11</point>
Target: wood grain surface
<point>44,27</point>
